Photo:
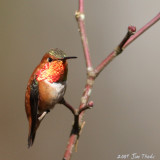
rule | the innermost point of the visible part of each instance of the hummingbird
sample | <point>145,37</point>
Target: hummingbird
<point>46,88</point>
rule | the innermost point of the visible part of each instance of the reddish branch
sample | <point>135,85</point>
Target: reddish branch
<point>93,73</point>
<point>143,29</point>
<point>80,16</point>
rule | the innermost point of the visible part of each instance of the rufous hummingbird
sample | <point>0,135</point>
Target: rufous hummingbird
<point>46,87</point>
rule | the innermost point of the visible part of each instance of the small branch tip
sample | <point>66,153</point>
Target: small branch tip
<point>90,104</point>
<point>131,29</point>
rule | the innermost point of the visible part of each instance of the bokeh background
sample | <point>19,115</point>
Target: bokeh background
<point>126,114</point>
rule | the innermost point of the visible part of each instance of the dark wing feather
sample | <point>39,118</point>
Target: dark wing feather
<point>34,95</point>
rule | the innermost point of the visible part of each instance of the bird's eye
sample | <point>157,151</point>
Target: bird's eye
<point>50,59</point>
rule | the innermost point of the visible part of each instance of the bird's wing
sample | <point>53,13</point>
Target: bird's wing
<point>34,96</point>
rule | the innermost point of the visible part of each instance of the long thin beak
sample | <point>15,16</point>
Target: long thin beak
<point>69,58</point>
<point>65,58</point>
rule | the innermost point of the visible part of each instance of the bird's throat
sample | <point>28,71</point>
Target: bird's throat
<point>52,72</point>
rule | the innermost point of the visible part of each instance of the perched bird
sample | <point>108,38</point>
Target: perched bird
<point>46,87</point>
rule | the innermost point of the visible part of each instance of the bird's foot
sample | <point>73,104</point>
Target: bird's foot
<point>40,117</point>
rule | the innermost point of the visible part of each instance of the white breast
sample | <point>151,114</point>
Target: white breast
<point>59,86</point>
<point>58,90</point>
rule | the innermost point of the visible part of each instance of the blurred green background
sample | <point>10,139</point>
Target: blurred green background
<point>126,114</point>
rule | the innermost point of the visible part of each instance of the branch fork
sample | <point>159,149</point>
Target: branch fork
<point>76,112</point>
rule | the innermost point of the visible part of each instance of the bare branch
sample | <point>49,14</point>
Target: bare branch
<point>80,16</point>
<point>125,42</point>
<point>88,106</point>
<point>93,73</point>
<point>71,142</point>
<point>68,106</point>
<point>116,52</point>
<point>143,29</point>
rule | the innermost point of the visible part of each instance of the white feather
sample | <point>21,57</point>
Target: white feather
<point>60,89</point>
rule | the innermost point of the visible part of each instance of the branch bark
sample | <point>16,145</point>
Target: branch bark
<point>93,73</point>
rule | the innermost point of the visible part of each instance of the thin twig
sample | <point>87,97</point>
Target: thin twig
<point>88,106</point>
<point>142,30</point>
<point>113,54</point>
<point>116,52</point>
<point>68,106</point>
<point>80,16</point>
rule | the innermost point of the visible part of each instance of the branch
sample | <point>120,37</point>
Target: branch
<point>88,106</point>
<point>142,30</point>
<point>116,52</point>
<point>93,73</point>
<point>113,54</point>
<point>80,16</point>
<point>76,130</point>
<point>68,106</point>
